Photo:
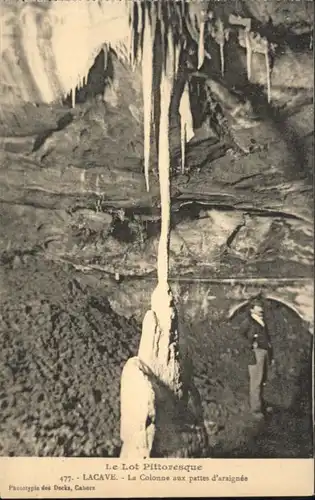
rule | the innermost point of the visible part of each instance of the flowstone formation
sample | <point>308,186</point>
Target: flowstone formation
<point>161,413</point>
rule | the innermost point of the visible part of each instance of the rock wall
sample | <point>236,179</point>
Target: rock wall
<point>199,299</point>
<point>81,189</point>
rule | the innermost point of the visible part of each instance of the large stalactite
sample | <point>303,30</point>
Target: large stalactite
<point>159,347</point>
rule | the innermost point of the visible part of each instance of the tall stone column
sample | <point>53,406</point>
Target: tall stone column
<point>161,414</point>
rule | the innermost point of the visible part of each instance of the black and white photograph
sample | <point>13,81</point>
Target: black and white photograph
<point>156,229</point>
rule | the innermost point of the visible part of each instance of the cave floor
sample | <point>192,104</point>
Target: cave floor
<point>63,349</point>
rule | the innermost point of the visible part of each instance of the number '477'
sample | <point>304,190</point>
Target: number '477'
<point>65,479</point>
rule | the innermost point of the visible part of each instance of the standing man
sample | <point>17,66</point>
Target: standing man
<point>254,330</point>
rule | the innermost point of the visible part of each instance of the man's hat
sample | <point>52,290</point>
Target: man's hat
<point>257,300</point>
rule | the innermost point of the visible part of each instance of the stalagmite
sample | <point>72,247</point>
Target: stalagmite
<point>137,425</point>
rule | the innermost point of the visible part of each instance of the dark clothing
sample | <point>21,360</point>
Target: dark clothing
<point>255,335</point>
<point>256,343</point>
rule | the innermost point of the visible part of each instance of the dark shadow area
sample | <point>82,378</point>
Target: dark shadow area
<point>121,231</point>
<point>197,100</point>
<point>290,36</point>
<point>41,139</point>
<point>146,220</point>
<point>294,142</point>
<point>296,35</point>
<point>199,153</point>
<point>101,71</point>
<point>291,428</point>
<point>62,123</point>
<point>288,431</point>
<point>236,81</point>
